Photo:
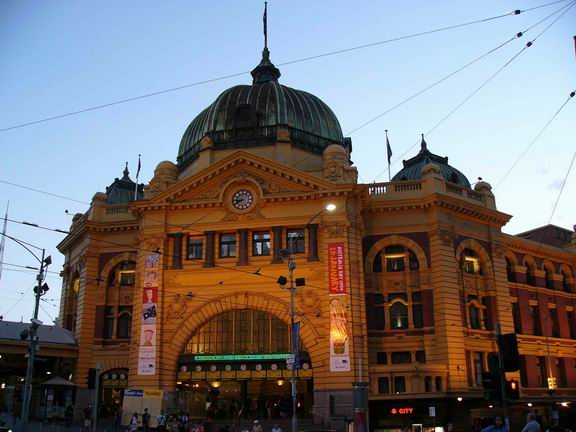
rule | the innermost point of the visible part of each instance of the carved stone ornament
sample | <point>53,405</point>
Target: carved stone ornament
<point>205,143</point>
<point>165,174</point>
<point>210,193</point>
<point>152,242</point>
<point>333,171</point>
<point>498,250</point>
<point>270,188</point>
<point>334,229</point>
<point>446,236</point>
<point>283,135</point>
<point>309,302</point>
<point>177,306</point>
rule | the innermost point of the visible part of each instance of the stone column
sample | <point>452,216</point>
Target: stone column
<point>176,250</point>
<point>313,242</point>
<point>209,258</point>
<point>242,247</point>
<point>277,244</point>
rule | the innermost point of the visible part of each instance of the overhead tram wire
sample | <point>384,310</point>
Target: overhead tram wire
<point>304,59</point>
<point>467,98</point>
<point>461,68</point>
<point>529,146</point>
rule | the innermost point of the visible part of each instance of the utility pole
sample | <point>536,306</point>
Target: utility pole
<point>38,291</point>
<point>291,267</point>
<point>96,395</point>
<point>502,378</point>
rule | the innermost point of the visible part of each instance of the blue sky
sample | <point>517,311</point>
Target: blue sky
<point>61,56</point>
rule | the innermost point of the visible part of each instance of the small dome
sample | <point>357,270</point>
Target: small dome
<point>412,169</point>
<point>251,115</point>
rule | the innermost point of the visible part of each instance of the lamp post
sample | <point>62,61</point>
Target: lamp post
<point>293,339</point>
<point>39,290</point>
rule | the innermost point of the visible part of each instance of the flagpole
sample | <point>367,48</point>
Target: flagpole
<point>265,22</point>
<point>2,240</point>
<point>137,174</point>
<point>389,153</point>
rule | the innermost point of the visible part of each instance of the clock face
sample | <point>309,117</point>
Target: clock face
<point>242,199</point>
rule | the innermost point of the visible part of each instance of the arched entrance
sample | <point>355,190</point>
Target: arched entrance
<point>236,364</point>
<point>113,383</point>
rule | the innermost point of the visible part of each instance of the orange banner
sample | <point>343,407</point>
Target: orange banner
<point>336,269</point>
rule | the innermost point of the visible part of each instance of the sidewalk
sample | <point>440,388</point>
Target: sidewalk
<point>103,426</point>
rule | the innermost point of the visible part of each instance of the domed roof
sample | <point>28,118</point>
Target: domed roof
<point>252,115</point>
<point>413,167</point>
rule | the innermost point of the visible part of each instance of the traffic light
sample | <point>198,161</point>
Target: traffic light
<point>513,389</point>
<point>508,345</point>
<point>91,378</point>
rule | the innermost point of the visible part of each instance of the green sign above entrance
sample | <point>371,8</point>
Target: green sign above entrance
<point>240,357</point>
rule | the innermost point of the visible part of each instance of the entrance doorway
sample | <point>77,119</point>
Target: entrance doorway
<point>113,383</point>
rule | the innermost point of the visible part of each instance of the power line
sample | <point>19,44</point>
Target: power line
<point>43,192</point>
<point>304,59</point>
<point>490,78</point>
<point>30,268</point>
<point>529,146</point>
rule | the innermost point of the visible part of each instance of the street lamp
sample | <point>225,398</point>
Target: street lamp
<point>39,290</point>
<point>282,282</point>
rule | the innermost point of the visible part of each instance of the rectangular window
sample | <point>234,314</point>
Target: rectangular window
<point>295,240</point>
<point>127,278</point>
<point>401,357</point>
<point>261,243</point>
<point>421,356</point>
<point>380,318</point>
<point>438,383</point>
<point>535,315</point>
<point>381,358</point>
<point>227,245</point>
<point>417,315</point>
<point>478,365</point>
<point>562,381</point>
<point>516,318</point>
<point>427,384</point>
<point>395,263</point>
<point>195,246</point>
<point>541,372</point>
<point>109,323</point>
<point>399,384</point>
<point>554,322</point>
<point>383,385</point>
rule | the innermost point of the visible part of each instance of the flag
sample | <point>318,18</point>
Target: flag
<point>388,148</point>
<point>139,166</point>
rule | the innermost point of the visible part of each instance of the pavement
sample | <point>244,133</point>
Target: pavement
<point>103,426</point>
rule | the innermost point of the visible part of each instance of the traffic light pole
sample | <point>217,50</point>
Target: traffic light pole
<point>33,340</point>
<point>502,377</point>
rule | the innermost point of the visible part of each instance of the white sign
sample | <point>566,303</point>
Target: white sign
<point>432,411</point>
<point>290,359</point>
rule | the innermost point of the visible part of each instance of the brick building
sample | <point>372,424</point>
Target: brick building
<point>404,282</point>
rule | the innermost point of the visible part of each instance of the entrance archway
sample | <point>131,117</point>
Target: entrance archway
<point>235,364</point>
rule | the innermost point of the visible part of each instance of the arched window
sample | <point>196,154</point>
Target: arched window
<point>510,272</point>
<point>548,278</point>
<point>398,314</point>
<point>398,258</point>
<point>377,264</point>
<point>123,274</point>
<point>124,322</point>
<point>530,276</point>
<point>565,281</point>
<point>470,262</point>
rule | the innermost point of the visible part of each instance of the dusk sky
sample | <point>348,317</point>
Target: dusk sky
<point>63,56</point>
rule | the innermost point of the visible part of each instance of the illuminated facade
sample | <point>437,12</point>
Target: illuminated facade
<point>404,282</point>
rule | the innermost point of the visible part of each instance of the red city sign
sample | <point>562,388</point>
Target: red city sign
<point>401,411</point>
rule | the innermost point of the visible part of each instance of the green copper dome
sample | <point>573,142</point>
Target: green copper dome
<point>413,167</point>
<point>250,115</point>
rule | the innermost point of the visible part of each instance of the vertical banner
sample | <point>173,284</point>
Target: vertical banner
<point>338,292</point>
<point>147,350</point>
<point>336,269</point>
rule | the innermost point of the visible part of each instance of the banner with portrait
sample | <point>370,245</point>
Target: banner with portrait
<point>149,316</point>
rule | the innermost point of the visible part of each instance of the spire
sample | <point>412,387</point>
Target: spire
<point>423,145</point>
<point>265,71</point>
<point>126,173</point>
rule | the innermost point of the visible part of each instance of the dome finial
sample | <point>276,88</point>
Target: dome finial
<point>126,172</point>
<point>265,71</point>
<point>423,145</point>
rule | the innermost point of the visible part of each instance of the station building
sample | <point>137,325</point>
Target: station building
<point>182,284</point>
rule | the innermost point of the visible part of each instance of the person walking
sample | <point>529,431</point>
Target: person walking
<point>161,422</point>
<point>257,427</point>
<point>498,426</point>
<point>69,415</point>
<point>88,417</point>
<point>531,424</point>
<point>276,428</point>
<point>134,422</point>
<point>145,421</point>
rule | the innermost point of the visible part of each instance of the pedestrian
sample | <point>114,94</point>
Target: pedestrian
<point>134,422</point>
<point>531,424</point>
<point>161,422</point>
<point>145,421</point>
<point>257,427</point>
<point>498,426</point>
<point>118,417</point>
<point>276,428</point>
<point>69,415</point>
<point>88,417</point>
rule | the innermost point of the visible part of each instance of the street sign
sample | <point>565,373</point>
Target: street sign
<point>432,411</point>
<point>552,383</point>
<point>290,359</point>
